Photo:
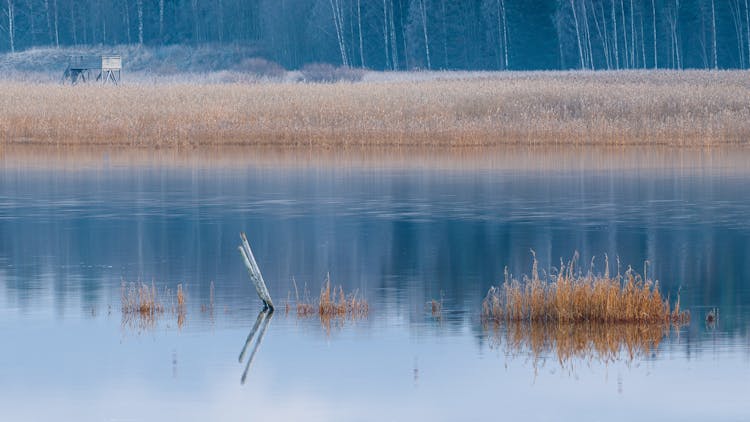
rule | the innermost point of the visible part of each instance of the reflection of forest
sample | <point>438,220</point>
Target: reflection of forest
<point>402,237</point>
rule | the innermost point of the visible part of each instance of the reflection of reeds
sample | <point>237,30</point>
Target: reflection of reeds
<point>571,297</point>
<point>142,304</point>
<point>332,303</point>
<point>436,308</point>
<point>568,341</point>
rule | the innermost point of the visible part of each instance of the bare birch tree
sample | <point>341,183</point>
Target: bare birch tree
<point>139,7</point>
<point>338,22</point>
<point>713,35</point>
<point>578,35</point>
<point>423,11</point>
<point>653,17</point>
<point>625,43</point>
<point>11,26</point>
<point>361,42</point>
<point>615,35</point>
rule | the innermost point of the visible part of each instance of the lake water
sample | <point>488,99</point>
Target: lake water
<point>401,228</point>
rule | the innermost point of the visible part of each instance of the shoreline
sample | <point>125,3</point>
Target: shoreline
<point>725,160</point>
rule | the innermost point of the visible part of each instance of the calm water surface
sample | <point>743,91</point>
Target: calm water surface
<point>400,234</point>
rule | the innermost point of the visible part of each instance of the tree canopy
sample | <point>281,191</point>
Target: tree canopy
<point>407,34</point>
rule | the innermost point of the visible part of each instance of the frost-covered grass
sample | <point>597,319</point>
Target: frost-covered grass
<point>535,108</point>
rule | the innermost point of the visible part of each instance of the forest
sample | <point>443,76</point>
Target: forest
<point>406,34</point>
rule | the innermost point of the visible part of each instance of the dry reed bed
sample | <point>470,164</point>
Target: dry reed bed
<point>607,108</point>
<point>571,297</point>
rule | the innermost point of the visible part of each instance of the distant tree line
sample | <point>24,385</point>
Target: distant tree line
<point>407,34</point>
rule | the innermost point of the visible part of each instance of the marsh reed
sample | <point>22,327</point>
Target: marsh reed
<point>331,303</point>
<point>691,108</point>
<point>143,304</point>
<point>573,297</point>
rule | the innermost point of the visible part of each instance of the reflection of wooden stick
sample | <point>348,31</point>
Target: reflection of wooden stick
<point>254,272</point>
<point>261,316</point>
<point>258,341</point>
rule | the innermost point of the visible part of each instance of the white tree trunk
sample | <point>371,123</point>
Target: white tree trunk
<point>500,40</point>
<point>653,17</point>
<point>444,24</point>
<point>386,32</point>
<point>615,36</point>
<point>11,30</point>
<point>713,33</point>
<point>625,34</point>
<point>139,5</point>
<point>338,24</point>
<point>633,54</point>
<point>739,29</point>
<point>161,20</point>
<point>505,33</point>
<point>49,21</point>
<point>394,43</point>
<point>424,32</point>
<point>127,20</point>
<point>603,35</point>
<point>578,35</point>
<point>57,31</point>
<point>361,43</point>
<point>589,51</point>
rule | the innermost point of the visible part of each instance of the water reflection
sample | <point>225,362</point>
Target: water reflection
<point>570,343</point>
<point>403,235</point>
<point>261,322</point>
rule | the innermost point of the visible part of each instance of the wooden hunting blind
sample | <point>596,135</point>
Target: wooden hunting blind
<point>106,68</point>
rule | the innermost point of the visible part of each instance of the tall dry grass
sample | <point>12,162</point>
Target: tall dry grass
<point>603,108</point>
<point>572,297</point>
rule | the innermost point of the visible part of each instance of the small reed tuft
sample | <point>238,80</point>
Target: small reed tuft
<point>140,299</point>
<point>142,303</point>
<point>331,303</point>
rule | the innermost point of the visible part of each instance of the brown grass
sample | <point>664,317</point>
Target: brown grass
<point>332,303</point>
<point>566,108</point>
<point>570,297</point>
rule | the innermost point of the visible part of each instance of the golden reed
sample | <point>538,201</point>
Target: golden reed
<point>572,297</point>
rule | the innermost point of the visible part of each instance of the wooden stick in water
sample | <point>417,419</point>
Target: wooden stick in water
<point>254,272</point>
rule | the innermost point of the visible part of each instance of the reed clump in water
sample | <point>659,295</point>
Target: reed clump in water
<point>332,303</point>
<point>571,297</point>
<point>140,299</point>
<point>144,304</point>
